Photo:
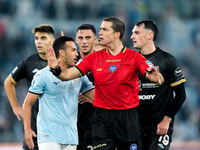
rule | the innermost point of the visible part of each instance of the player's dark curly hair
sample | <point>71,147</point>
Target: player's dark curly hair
<point>148,24</point>
<point>59,43</point>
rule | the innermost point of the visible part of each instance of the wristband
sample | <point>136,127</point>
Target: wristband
<point>56,72</point>
<point>159,82</point>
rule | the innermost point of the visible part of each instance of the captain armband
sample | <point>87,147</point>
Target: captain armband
<point>56,72</point>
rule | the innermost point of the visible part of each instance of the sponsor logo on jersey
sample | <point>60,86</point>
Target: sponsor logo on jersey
<point>149,85</point>
<point>133,147</point>
<point>113,60</point>
<point>112,68</point>
<point>146,97</point>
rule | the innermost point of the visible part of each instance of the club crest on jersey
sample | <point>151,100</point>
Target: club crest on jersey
<point>76,82</point>
<point>150,64</point>
<point>133,147</point>
<point>112,68</point>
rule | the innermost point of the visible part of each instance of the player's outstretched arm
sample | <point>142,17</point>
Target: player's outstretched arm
<point>11,93</point>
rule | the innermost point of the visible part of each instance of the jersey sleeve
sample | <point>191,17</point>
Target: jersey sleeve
<point>18,72</point>
<point>37,84</point>
<point>87,85</point>
<point>142,64</point>
<point>175,73</point>
<point>84,66</point>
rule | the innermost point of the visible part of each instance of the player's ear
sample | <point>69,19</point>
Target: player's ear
<point>96,39</point>
<point>76,39</point>
<point>52,41</point>
<point>151,35</point>
<point>61,53</point>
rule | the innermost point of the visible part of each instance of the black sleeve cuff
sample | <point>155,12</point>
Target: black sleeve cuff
<point>56,72</point>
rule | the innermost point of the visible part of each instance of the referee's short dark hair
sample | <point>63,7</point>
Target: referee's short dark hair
<point>46,28</point>
<point>59,43</point>
<point>87,26</point>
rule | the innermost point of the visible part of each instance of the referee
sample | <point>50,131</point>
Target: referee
<point>115,68</point>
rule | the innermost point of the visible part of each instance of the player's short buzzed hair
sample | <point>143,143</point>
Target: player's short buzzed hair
<point>149,24</point>
<point>118,25</point>
<point>44,28</point>
<point>85,27</point>
<point>59,43</point>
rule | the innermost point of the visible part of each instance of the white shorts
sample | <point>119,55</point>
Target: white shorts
<point>55,146</point>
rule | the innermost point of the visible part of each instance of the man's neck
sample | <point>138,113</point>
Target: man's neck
<point>148,49</point>
<point>85,54</point>
<point>115,48</point>
<point>43,56</point>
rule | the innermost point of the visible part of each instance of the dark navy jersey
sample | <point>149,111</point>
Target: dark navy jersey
<point>26,69</point>
<point>156,100</point>
<point>85,111</point>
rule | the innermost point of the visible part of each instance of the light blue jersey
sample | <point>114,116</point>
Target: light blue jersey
<point>58,106</point>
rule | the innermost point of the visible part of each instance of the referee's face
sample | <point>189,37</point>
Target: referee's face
<point>43,41</point>
<point>106,33</point>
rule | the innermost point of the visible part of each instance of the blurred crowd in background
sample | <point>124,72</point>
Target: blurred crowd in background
<point>179,34</point>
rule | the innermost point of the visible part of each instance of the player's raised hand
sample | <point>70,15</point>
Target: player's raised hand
<point>51,58</point>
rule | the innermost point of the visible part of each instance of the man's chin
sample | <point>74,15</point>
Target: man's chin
<point>42,53</point>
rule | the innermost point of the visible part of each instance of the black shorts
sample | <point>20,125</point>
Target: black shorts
<point>85,139</point>
<point>116,129</point>
<point>152,141</point>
